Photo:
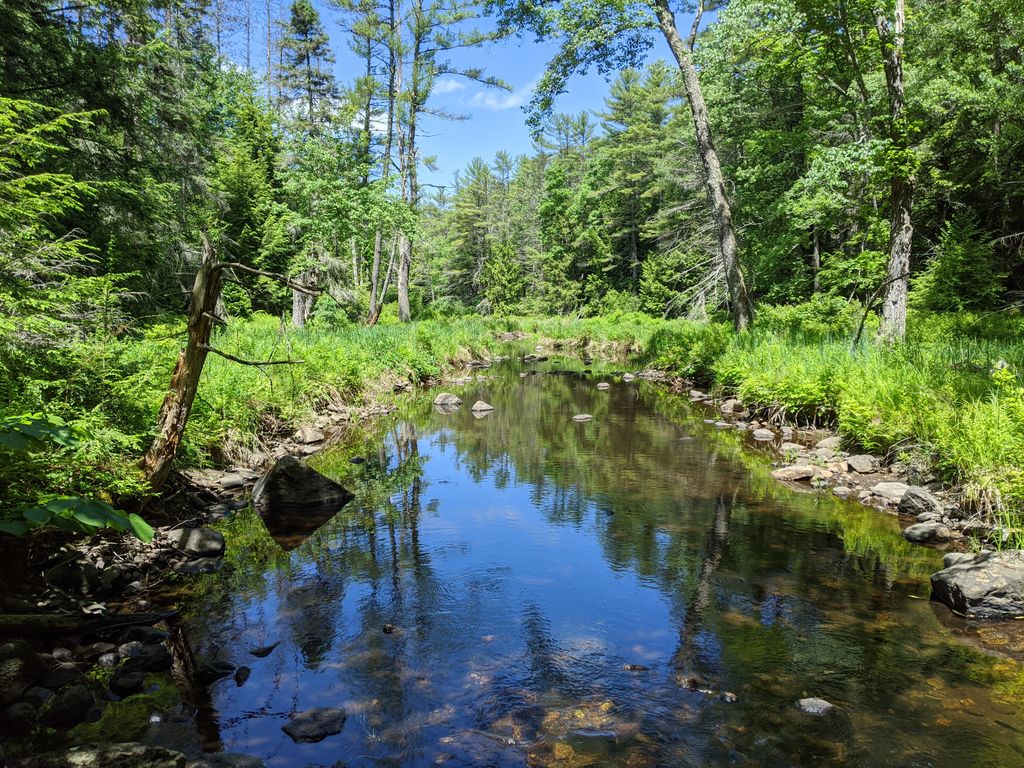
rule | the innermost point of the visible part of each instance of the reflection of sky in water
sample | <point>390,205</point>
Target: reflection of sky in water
<point>532,561</point>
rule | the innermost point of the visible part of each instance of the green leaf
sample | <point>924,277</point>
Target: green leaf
<point>37,515</point>
<point>13,527</point>
<point>141,528</point>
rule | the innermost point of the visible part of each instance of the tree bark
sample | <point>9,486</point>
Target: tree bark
<point>404,242</point>
<point>177,405</point>
<point>740,305</point>
<point>901,233</point>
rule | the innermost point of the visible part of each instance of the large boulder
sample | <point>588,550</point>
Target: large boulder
<point>890,491</point>
<point>987,586</point>
<point>926,533</point>
<point>291,485</point>
<point>917,501</point>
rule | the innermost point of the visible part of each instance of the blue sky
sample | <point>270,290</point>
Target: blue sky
<point>495,118</point>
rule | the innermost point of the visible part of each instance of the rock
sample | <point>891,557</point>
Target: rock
<point>788,447</point>
<point>481,407</point>
<point>19,717</point>
<point>130,649</point>
<point>723,425</point>
<point>795,472</point>
<point>833,443</point>
<point>126,682</point>
<point>862,463</point>
<point>929,517</point>
<point>315,725</point>
<point>20,667</point>
<point>922,533</point>
<point>128,755</point>
<point>696,394</point>
<point>291,486</point>
<point>153,658</point>
<point>604,385</point>
<point>842,491</point>
<point>582,417</point>
<point>107,660</point>
<point>94,651</point>
<point>628,377</point>
<point>68,708</point>
<point>952,558</point>
<point>62,654</point>
<point>988,586</point>
<point>890,491</point>
<point>308,436</point>
<point>197,542</point>
<point>732,405</point>
<point>226,760</point>
<point>242,675</point>
<point>763,434</point>
<point>264,650</point>
<point>816,707</point>
<point>917,501</point>
<point>389,629</point>
<point>37,696</point>
<point>61,675</point>
<point>200,565</point>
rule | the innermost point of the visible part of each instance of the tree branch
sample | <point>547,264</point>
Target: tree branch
<point>241,361</point>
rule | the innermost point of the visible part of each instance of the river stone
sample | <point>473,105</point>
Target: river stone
<point>582,417</point>
<point>953,558</point>
<point>917,501</point>
<point>315,724</point>
<point>197,542</point>
<point>448,400</point>
<point>696,394</point>
<point>988,586</point>
<point>126,682</point>
<point>128,755</point>
<point>862,463</point>
<point>627,377</point>
<point>922,533</point>
<point>37,696</point>
<point>788,447</point>
<point>20,667</point>
<point>842,491</point>
<point>794,472</point>
<point>70,707</point>
<point>153,658</point>
<point>481,407</point>
<point>816,707</point>
<point>764,434</point>
<point>830,443</point>
<point>890,491</point>
<point>61,675</point>
<point>308,436</point>
<point>732,405</point>
<point>604,385</point>
<point>290,486</point>
<point>20,717</point>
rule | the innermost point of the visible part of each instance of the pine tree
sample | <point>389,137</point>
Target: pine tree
<point>305,80</point>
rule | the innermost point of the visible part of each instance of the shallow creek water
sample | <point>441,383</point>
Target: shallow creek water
<point>630,591</point>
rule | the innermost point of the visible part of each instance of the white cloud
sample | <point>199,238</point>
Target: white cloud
<point>448,85</point>
<point>502,100</point>
<point>378,122</point>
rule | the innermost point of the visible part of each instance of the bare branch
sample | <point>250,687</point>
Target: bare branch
<point>241,361</point>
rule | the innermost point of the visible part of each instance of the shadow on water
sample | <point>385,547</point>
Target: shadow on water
<point>524,590</point>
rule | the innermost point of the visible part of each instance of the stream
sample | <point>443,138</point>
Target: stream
<point>518,589</point>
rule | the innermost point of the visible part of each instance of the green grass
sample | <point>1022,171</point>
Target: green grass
<point>938,399</point>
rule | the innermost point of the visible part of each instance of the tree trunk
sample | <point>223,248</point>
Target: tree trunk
<point>177,405</point>
<point>901,233</point>
<point>404,242</point>
<point>404,262</point>
<point>740,306</point>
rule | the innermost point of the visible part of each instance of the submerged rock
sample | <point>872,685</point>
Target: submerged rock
<point>604,385</point>
<point>264,650</point>
<point>987,586</point>
<point>293,498</point>
<point>69,708</point>
<point>815,706</point>
<point>315,724</point>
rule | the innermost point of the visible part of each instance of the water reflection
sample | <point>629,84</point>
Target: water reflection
<point>631,591</point>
